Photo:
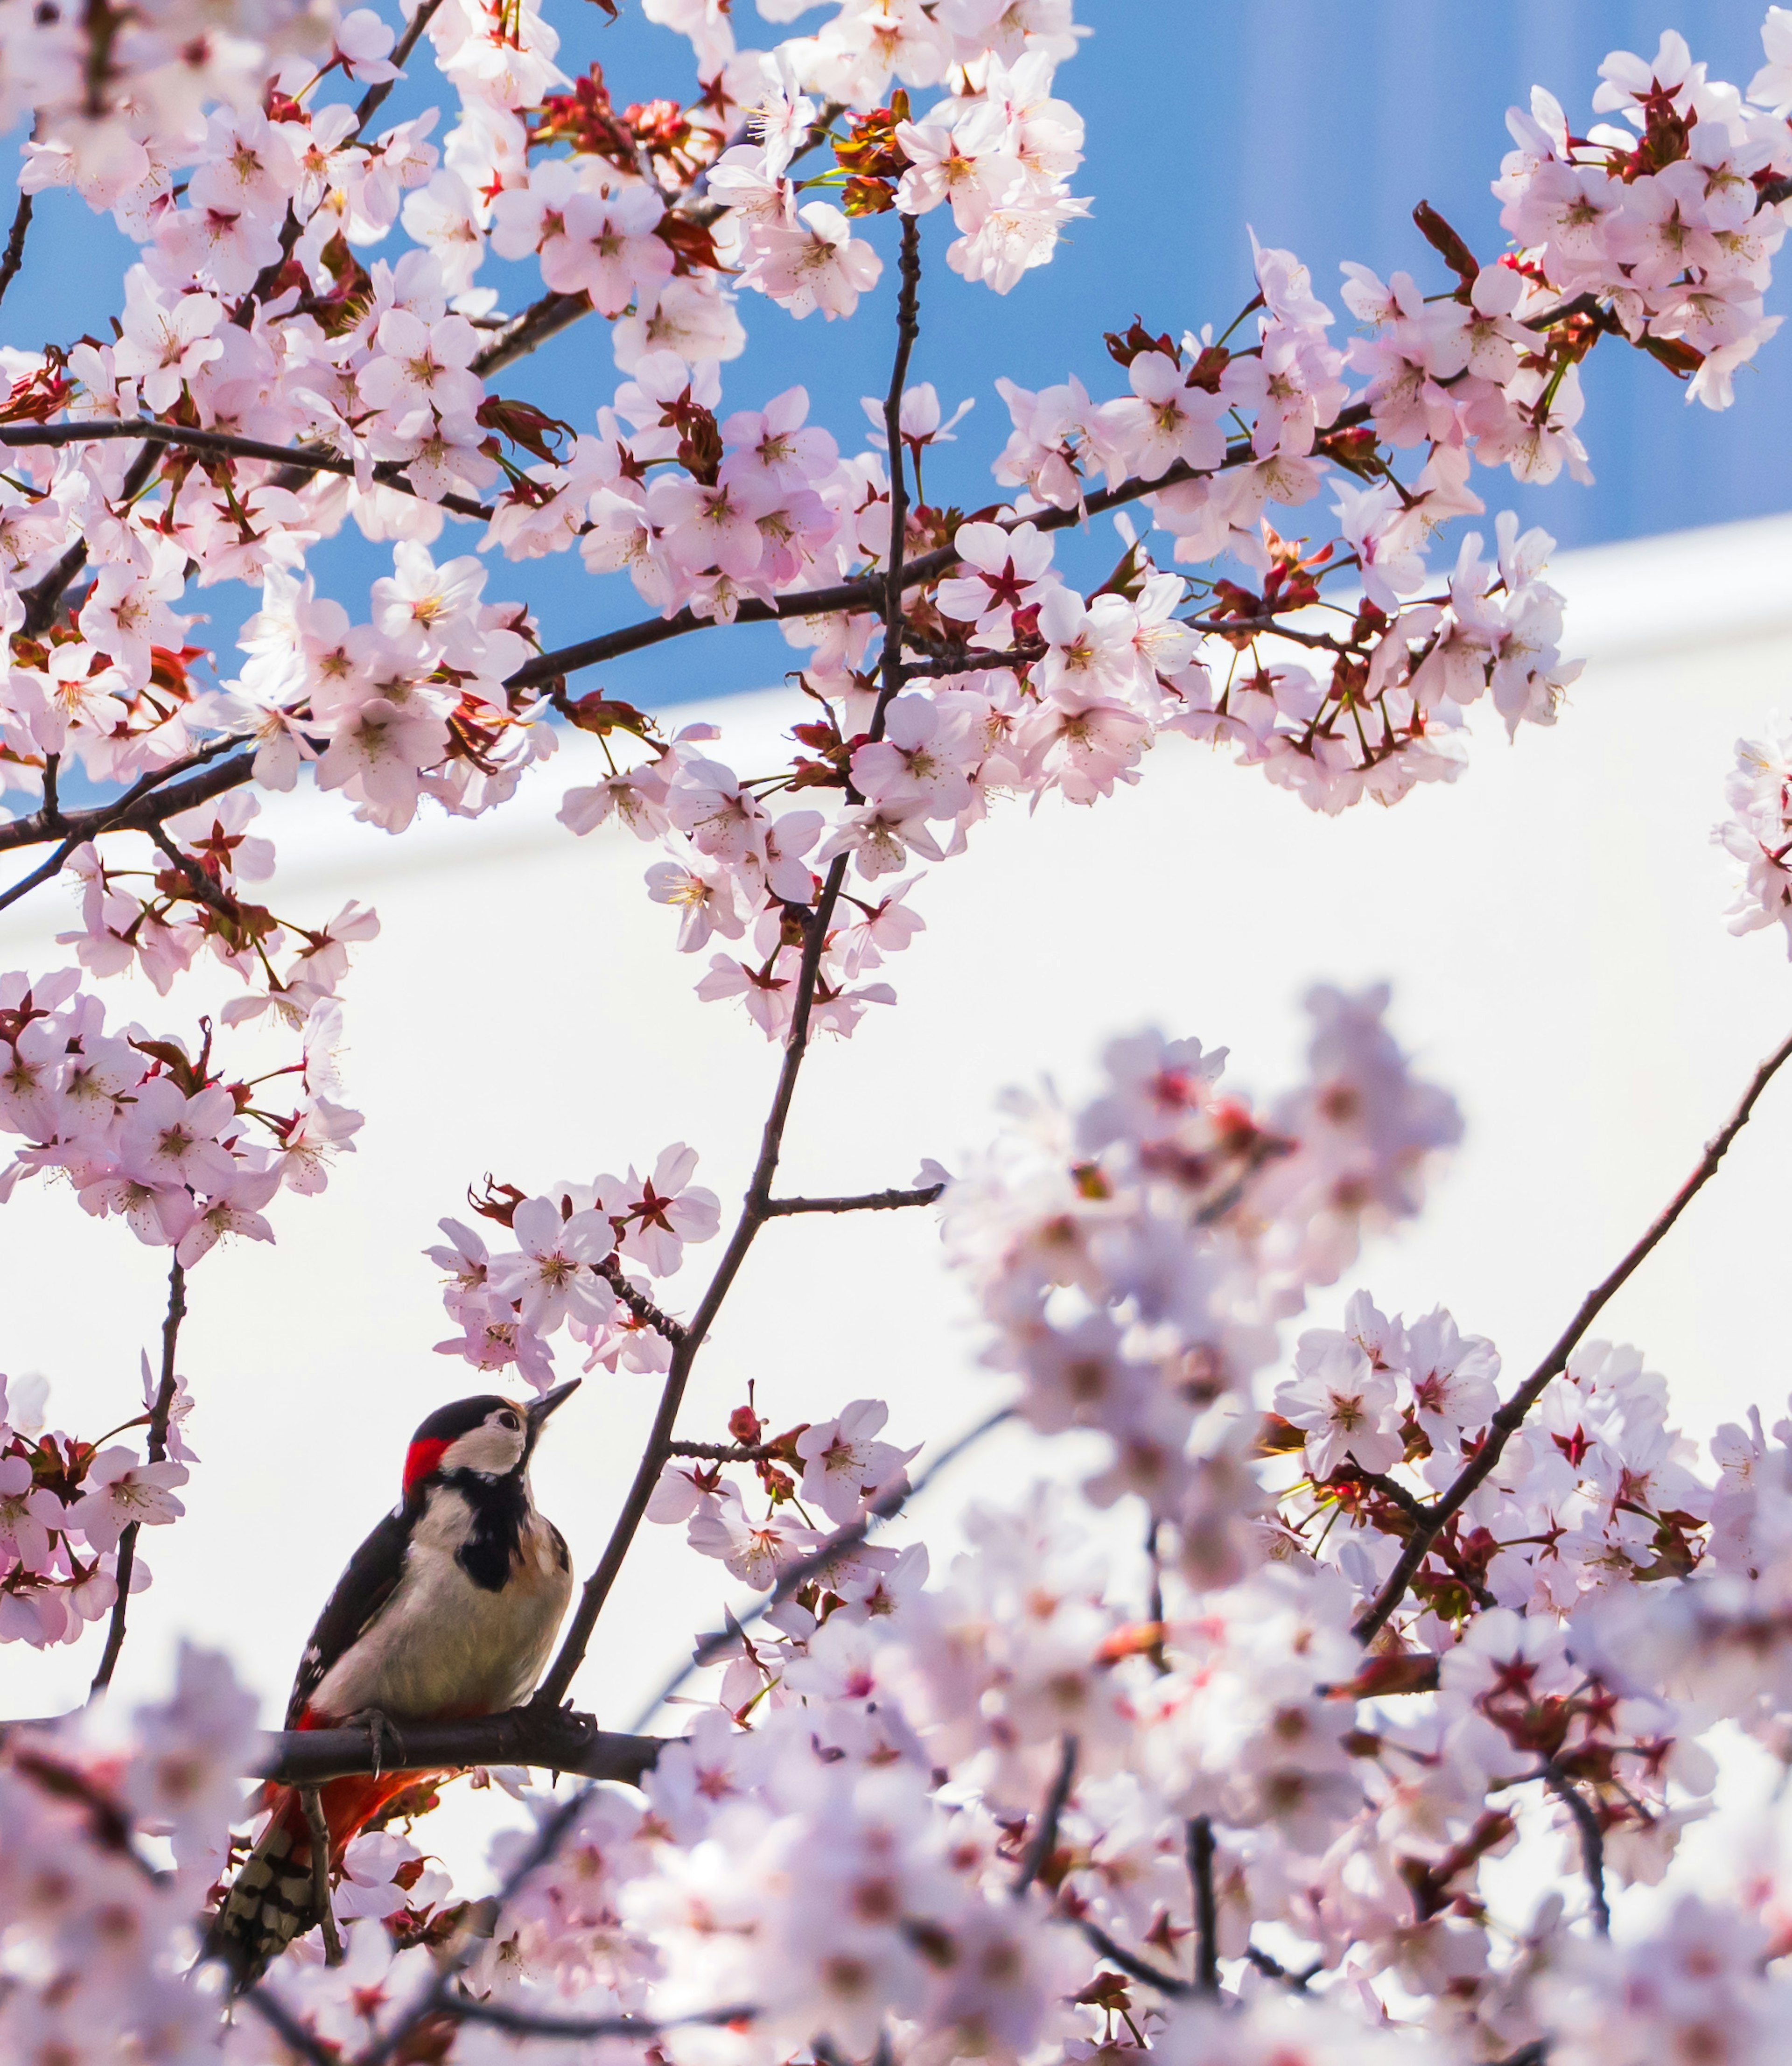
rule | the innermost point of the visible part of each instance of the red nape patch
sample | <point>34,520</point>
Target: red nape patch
<point>420,1459</point>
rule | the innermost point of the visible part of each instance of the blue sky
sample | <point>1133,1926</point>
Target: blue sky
<point>1319,125</point>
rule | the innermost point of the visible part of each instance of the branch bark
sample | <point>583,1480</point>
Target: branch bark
<point>15,245</point>
<point>1437,1514</point>
<point>550,1739</point>
<point>157,1446</point>
<point>865,1202</point>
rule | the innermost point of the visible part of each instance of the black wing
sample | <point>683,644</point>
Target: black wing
<point>364,1589</point>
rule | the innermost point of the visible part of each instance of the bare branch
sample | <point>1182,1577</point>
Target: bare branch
<point>726,1453</point>
<point>866,1202</point>
<point>535,325</point>
<point>550,1739</point>
<point>319,1827</point>
<point>1438,1513</point>
<point>15,245</point>
<point>638,1303</point>
<point>1592,1839</point>
<point>502,2017</point>
<point>1129,1962</point>
<point>157,1446</point>
<point>1206,1912</point>
<point>301,459</point>
<point>1044,1839</point>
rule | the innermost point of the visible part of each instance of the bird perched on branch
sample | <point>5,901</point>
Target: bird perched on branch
<point>447,1610</point>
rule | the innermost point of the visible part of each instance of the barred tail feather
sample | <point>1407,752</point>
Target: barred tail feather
<point>272,1899</point>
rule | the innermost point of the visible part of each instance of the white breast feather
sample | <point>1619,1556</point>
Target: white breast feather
<point>443,1645</point>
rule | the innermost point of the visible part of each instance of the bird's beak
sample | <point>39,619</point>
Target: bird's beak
<point>538,1414</point>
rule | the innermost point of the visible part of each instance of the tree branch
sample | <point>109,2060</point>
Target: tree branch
<point>550,1739</point>
<point>1437,1514</point>
<point>1206,1911</point>
<point>157,1446</point>
<point>1592,1839</point>
<point>638,1303</point>
<point>501,2016</point>
<point>866,1202</point>
<point>15,245</point>
<point>1129,1962</point>
<point>1044,1839</point>
<point>305,459</point>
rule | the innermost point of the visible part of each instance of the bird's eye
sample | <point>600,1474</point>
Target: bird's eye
<point>508,1421</point>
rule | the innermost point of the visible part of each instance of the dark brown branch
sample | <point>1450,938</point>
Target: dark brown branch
<point>866,1202</point>
<point>1044,1840</point>
<point>500,2016</point>
<point>1206,1911</point>
<point>908,329</point>
<point>318,1827</point>
<point>15,245</point>
<point>157,1446</point>
<point>203,887</point>
<point>1273,1969</point>
<point>638,1303</point>
<point>1592,1840</point>
<point>303,458</point>
<point>533,326</point>
<point>1129,1962</point>
<point>550,1739</point>
<point>1438,1513</point>
<point>726,1453</point>
<point>597,1586</point>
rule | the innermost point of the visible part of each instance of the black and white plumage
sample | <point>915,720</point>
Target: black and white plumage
<point>448,1610</point>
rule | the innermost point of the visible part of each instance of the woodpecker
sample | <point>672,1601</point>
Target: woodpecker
<point>447,1610</point>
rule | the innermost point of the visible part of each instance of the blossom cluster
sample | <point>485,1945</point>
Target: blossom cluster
<point>64,1503</point>
<point>569,1269</point>
<point>1758,833</point>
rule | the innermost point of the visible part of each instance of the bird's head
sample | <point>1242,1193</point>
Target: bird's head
<point>491,1436</point>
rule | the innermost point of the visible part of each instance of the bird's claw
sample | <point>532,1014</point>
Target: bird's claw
<point>382,1733</point>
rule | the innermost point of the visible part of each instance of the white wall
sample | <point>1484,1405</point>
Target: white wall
<point>1552,924</point>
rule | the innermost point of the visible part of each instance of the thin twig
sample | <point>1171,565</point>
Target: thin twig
<point>1592,1839</point>
<point>318,1826</point>
<point>867,1201</point>
<point>637,1301</point>
<point>303,458</point>
<point>1206,1911</point>
<point>597,1586</point>
<point>726,1453</point>
<point>157,1446</point>
<point>1437,1514</point>
<point>203,887</point>
<point>500,2016</point>
<point>1129,1962</point>
<point>1273,1969</point>
<point>908,329</point>
<point>15,245</point>
<point>1044,1840</point>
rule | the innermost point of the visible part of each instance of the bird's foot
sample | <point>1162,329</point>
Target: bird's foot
<point>383,1734</point>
